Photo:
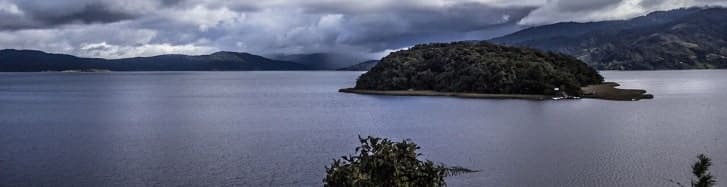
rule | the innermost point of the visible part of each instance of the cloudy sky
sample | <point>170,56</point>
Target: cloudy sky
<point>126,28</point>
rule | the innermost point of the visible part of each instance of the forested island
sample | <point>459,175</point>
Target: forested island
<point>479,69</point>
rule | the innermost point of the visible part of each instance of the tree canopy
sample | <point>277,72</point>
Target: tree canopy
<point>382,162</point>
<point>479,67</point>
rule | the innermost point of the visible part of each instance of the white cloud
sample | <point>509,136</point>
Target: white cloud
<point>96,41</point>
<point>204,17</point>
<point>9,8</point>
<point>554,11</point>
<point>384,53</point>
<point>104,49</point>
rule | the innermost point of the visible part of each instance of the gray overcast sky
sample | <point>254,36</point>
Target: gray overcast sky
<point>126,28</point>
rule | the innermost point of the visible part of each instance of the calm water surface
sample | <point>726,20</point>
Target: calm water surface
<point>282,128</point>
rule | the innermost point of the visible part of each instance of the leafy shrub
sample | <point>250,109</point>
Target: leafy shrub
<point>700,169</point>
<point>382,162</point>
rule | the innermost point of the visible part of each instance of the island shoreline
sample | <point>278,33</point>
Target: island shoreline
<point>605,91</point>
<point>445,94</point>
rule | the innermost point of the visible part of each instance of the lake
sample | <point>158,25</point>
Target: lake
<point>283,128</point>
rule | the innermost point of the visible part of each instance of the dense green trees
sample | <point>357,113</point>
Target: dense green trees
<point>382,162</point>
<point>478,67</point>
<point>700,170</point>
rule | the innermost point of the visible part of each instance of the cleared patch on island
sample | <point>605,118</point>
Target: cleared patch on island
<point>609,91</point>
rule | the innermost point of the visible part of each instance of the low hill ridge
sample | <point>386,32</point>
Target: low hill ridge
<point>12,60</point>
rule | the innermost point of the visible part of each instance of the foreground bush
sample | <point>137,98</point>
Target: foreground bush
<point>382,162</point>
<point>700,170</point>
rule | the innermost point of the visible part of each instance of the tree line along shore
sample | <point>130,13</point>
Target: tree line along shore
<point>606,91</point>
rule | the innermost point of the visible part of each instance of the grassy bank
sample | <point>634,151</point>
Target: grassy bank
<point>610,92</point>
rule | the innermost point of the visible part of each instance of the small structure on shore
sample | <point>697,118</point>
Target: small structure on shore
<point>560,95</point>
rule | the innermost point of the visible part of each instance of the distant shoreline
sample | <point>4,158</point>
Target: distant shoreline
<point>122,71</point>
<point>446,94</point>
<point>606,91</point>
<point>84,71</point>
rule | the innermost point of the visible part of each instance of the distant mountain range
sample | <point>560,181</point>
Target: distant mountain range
<point>323,61</point>
<point>29,61</point>
<point>694,38</point>
<point>363,66</point>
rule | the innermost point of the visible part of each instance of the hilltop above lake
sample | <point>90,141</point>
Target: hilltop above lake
<point>690,38</point>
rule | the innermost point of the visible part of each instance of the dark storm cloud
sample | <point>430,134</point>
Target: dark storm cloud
<point>90,13</point>
<point>170,2</point>
<point>398,29</point>
<point>123,28</point>
<point>651,3</point>
<point>37,14</point>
